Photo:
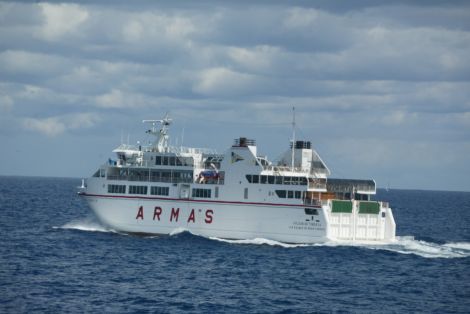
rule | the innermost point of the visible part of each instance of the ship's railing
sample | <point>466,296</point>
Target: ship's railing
<point>151,164</point>
<point>328,202</point>
<point>190,150</point>
<point>350,185</point>
<point>285,169</point>
<point>161,179</point>
<point>295,169</point>
<point>217,181</point>
<point>150,179</point>
<point>319,184</point>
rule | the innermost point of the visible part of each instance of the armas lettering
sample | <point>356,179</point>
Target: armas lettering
<point>175,214</point>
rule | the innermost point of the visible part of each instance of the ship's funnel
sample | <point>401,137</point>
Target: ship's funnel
<point>244,142</point>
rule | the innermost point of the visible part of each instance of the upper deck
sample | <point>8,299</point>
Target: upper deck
<point>299,166</point>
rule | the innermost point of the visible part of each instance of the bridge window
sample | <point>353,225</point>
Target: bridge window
<point>264,179</point>
<point>271,179</point>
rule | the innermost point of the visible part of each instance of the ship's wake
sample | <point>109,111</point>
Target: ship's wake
<point>85,225</point>
<point>403,245</point>
<point>410,245</point>
<point>261,241</point>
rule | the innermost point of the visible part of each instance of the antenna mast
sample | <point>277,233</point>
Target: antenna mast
<point>161,144</point>
<point>293,138</point>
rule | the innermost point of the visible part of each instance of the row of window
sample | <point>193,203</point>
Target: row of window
<point>114,188</point>
<point>198,193</point>
<point>152,175</point>
<point>174,161</point>
<point>289,194</point>
<point>265,179</point>
<point>155,190</point>
<point>138,189</point>
<point>160,190</point>
<point>204,193</point>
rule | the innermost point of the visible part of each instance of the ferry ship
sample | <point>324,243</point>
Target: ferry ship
<point>159,188</point>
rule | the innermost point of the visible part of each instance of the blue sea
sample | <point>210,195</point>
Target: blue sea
<point>55,257</point>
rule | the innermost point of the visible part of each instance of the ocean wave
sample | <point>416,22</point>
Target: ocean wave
<point>180,230</point>
<point>410,245</point>
<point>459,245</point>
<point>260,241</point>
<point>402,245</point>
<point>85,225</point>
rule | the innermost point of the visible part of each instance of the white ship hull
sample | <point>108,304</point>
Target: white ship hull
<point>239,195</point>
<point>229,220</point>
<point>239,220</point>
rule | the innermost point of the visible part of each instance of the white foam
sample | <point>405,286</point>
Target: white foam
<point>409,245</point>
<point>402,245</point>
<point>85,225</point>
<point>260,241</point>
<point>459,245</point>
<point>178,231</point>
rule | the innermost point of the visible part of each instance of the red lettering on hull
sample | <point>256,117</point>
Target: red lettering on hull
<point>191,217</point>
<point>209,214</point>
<point>175,214</point>
<point>140,213</point>
<point>157,212</point>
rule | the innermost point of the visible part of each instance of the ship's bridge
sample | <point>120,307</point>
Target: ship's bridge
<point>302,157</point>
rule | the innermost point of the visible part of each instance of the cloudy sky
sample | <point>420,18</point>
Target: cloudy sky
<point>381,88</point>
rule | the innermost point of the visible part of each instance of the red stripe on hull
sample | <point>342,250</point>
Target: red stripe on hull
<point>196,201</point>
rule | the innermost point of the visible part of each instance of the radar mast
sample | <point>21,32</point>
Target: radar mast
<point>161,142</point>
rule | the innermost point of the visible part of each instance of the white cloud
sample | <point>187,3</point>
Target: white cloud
<point>300,18</point>
<point>61,19</point>
<point>119,99</point>
<point>19,63</point>
<point>150,26</point>
<point>49,126</point>
<point>391,72</point>
<point>257,58</point>
<point>133,31</point>
<point>6,103</point>
<point>394,118</point>
<point>113,99</point>
<point>223,81</point>
<point>57,125</point>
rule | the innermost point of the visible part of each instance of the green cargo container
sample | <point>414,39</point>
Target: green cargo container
<point>369,208</point>
<point>341,206</point>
